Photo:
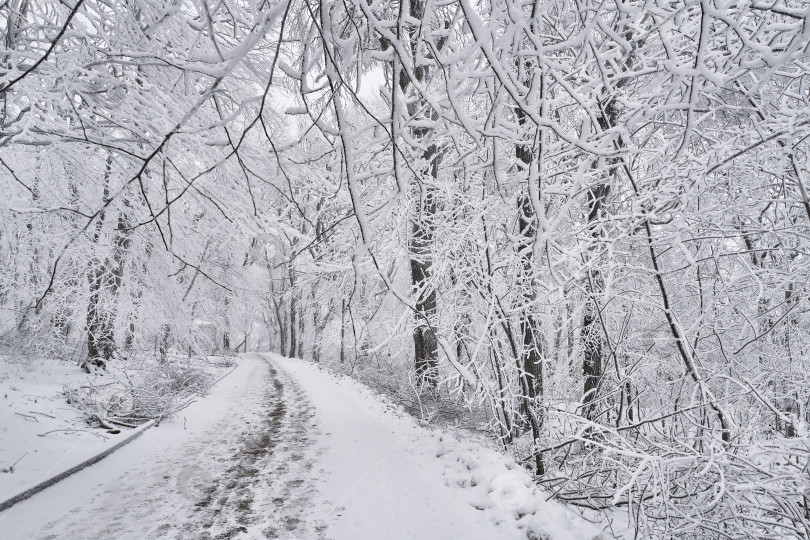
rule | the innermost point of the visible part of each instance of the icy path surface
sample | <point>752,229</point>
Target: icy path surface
<point>281,449</point>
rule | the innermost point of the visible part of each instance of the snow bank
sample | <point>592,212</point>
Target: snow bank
<point>493,483</point>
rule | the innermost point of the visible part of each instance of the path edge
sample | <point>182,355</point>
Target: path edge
<point>30,492</point>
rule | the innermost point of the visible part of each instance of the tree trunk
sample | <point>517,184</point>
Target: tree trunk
<point>302,326</point>
<point>293,323</point>
<point>425,344</point>
<point>343,331</point>
<point>165,342</point>
<point>422,229</point>
<point>105,279</point>
<point>530,362</point>
<point>282,328</point>
<point>593,362</point>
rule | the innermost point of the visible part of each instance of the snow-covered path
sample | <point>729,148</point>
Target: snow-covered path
<point>383,482</point>
<point>281,449</point>
<point>239,463</point>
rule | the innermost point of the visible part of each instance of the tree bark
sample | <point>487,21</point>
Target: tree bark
<point>530,363</point>
<point>293,324</point>
<point>343,331</point>
<point>105,279</point>
<point>593,362</point>
<point>422,229</point>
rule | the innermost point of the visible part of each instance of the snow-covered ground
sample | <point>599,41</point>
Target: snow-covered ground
<point>39,430</point>
<point>41,435</point>
<point>391,478</point>
<point>281,449</point>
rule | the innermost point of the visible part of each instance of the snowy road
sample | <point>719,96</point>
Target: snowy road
<point>278,450</point>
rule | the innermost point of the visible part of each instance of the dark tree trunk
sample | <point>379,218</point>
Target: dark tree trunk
<point>282,330</point>
<point>96,326</point>
<point>226,334</point>
<point>422,229</point>
<point>530,361</point>
<point>319,323</point>
<point>129,336</point>
<point>164,342</point>
<point>593,362</point>
<point>302,325</point>
<point>278,308</point>
<point>293,324</point>
<point>105,284</point>
<point>316,341</point>
<point>425,344</point>
<point>105,279</point>
<point>343,331</point>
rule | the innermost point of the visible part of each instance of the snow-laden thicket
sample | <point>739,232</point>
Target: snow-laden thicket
<point>587,219</point>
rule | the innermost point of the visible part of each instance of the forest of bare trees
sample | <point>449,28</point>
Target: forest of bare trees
<point>584,224</point>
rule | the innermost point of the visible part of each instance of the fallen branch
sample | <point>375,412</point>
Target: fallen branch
<point>72,430</point>
<point>120,423</point>
<point>10,468</point>
<point>103,421</point>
